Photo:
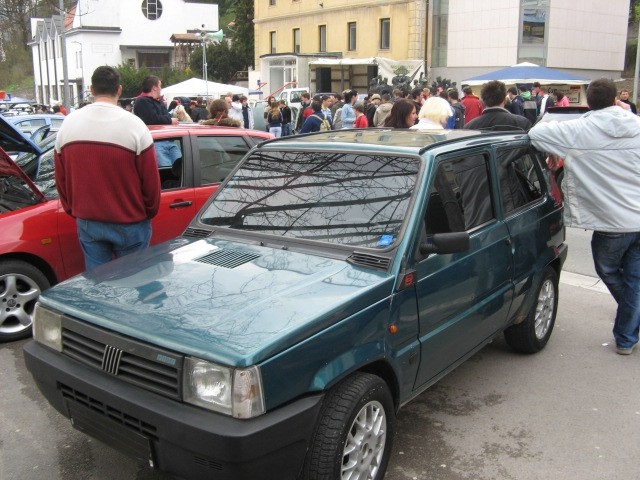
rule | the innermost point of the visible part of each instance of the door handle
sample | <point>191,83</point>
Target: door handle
<point>181,204</point>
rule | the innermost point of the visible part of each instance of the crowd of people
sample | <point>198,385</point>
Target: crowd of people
<point>113,215</point>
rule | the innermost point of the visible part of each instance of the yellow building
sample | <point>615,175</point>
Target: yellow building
<point>331,45</point>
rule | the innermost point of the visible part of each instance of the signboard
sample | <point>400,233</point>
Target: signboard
<point>573,92</point>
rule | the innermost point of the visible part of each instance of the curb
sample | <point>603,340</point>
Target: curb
<point>583,281</point>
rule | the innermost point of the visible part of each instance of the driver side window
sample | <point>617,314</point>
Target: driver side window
<point>460,198</point>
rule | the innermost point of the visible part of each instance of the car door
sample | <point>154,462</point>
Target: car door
<point>177,198</point>
<point>522,192</point>
<point>65,232</point>
<point>462,298</point>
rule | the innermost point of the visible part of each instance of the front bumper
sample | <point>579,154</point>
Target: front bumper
<point>174,437</point>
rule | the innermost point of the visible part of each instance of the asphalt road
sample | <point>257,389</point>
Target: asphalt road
<point>571,411</point>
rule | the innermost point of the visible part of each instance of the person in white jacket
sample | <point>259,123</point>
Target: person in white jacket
<point>235,110</point>
<point>601,190</point>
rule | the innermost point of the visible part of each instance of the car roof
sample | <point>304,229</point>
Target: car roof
<point>563,113</point>
<point>31,116</point>
<point>387,140</point>
<point>182,128</point>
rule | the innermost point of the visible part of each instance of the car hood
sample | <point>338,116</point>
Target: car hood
<point>227,302</point>
<point>12,139</point>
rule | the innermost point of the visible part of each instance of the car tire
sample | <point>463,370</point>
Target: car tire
<point>531,335</point>
<point>354,432</point>
<point>20,287</point>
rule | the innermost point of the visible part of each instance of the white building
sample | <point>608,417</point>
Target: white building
<point>470,37</point>
<point>150,33</point>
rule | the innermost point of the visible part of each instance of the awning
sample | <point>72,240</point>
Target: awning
<point>528,73</point>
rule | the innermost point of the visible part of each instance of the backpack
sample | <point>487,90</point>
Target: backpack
<point>324,123</point>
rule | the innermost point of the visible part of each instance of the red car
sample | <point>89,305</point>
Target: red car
<point>38,240</point>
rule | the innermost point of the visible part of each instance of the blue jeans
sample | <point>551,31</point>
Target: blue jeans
<point>101,241</point>
<point>617,260</point>
<point>286,129</point>
<point>275,131</point>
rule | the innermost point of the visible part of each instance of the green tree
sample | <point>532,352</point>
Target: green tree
<point>131,78</point>
<point>242,34</point>
<point>222,61</point>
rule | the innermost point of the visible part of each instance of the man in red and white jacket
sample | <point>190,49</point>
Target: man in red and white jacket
<point>107,174</point>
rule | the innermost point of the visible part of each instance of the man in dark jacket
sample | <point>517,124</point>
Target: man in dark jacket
<point>370,112</point>
<point>305,101</point>
<point>516,102</point>
<point>199,112</point>
<point>149,106</point>
<point>495,116</point>
<point>458,109</point>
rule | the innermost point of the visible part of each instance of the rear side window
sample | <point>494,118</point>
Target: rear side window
<point>169,153</point>
<point>34,122</point>
<point>460,198</point>
<point>218,156</point>
<point>520,178</point>
<point>56,122</point>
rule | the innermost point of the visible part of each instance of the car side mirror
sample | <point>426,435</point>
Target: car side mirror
<point>443,243</point>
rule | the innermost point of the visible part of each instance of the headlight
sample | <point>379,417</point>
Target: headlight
<point>236,392</point>
<point>47,327</point>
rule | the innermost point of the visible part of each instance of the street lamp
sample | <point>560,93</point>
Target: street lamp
<point>65,74</point>
<point>219,35</point>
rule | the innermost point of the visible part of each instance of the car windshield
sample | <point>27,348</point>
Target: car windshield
<point>40,169</point>
<point>339,198</point>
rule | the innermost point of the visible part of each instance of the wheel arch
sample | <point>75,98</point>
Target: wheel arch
<point>37,262</point>
<point>384,370</point>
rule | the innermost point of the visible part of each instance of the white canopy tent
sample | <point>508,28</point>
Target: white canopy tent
<point>196,87</point>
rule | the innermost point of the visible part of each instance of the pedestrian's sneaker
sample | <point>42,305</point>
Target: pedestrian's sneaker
<point>625,351</point>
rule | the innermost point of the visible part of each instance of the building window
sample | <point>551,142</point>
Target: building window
<point>272,2</point>
<point>153,61</point>
<point>272,42</point>
<point>385,34</point>
<point>534,17</point>
<point>440,32</point>
<point>296,40</point>
<point>152,9</point>
<point>322,33</point>
<point>351,28</point>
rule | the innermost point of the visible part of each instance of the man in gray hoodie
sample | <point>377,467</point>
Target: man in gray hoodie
<point>383,110</point>
<point>601,190</point>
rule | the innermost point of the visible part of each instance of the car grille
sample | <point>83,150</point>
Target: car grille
<point>150,368</point>
<point>110,412</point>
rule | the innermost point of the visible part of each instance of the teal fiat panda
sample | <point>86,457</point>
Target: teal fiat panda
<point>328,281</point>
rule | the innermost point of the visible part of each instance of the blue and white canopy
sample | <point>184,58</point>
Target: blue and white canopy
<point>527,73</point>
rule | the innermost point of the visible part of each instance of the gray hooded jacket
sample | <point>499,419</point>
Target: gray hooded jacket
<point>601,152</point>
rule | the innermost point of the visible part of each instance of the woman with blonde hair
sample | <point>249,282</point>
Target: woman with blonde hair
<point>274,120</point>
<point>219,115</point>
<point>434,114</point>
